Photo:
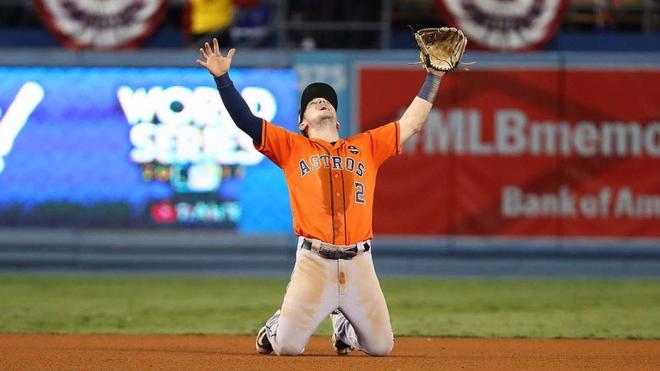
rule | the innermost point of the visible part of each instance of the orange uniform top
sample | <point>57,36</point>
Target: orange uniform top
<point>331,187</point>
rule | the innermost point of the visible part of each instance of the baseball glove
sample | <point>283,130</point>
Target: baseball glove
<point>441,48</point>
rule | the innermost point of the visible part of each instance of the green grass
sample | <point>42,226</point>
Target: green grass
<point>426,307</point>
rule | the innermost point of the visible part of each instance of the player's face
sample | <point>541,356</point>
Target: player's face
<point>318,109</point>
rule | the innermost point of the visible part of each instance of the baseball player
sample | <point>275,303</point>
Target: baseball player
<point>331,185</point>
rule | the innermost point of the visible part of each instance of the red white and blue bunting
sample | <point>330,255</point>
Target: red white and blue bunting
<point>507,25</point>
<point>101,24</point>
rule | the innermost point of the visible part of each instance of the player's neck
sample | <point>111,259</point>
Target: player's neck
<point>330,138</point>
<point>326,132</point>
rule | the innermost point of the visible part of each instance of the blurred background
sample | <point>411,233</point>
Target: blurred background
<point>116,154</point>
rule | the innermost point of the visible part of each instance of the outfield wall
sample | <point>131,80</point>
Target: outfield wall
<point>544,156</point>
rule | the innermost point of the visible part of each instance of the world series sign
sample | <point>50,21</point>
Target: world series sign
<point>138,147</point>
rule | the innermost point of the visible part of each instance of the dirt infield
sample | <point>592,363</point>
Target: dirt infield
<point>124,352</point>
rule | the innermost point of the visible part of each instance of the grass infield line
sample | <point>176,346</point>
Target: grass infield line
<point>501,308</point>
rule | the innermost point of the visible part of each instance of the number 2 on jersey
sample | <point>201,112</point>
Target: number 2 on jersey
<point>359,193</point>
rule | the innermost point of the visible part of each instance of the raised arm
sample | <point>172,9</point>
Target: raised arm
<point>415,115</point>
<point>238,109</point>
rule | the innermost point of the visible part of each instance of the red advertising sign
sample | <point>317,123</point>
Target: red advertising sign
<point>533,152</point>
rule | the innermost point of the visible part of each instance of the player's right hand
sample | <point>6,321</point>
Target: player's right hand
<point>213,60</point>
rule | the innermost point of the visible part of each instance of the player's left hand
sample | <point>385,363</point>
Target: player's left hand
<point>440,49</point>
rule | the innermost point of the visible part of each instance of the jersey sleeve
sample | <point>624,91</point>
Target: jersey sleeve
<point>276,143</point>
<point>385,142</point>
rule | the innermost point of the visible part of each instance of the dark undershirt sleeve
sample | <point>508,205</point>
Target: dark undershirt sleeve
<point>238,108</point>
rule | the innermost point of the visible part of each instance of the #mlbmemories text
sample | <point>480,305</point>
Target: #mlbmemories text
<point>622,203</point>
<point>510,132</point>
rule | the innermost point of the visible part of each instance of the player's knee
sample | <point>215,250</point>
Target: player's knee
<point>289,349</point>
<point>381,348</point>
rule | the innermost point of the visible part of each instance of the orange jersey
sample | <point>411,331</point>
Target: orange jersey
<point>331,187</point>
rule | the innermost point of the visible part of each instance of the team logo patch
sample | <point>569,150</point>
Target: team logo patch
<point>353,149</point>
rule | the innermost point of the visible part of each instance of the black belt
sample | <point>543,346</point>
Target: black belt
<point>334,252</point>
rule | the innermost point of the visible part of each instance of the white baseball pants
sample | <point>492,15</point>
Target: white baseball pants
<point>317,287</point>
